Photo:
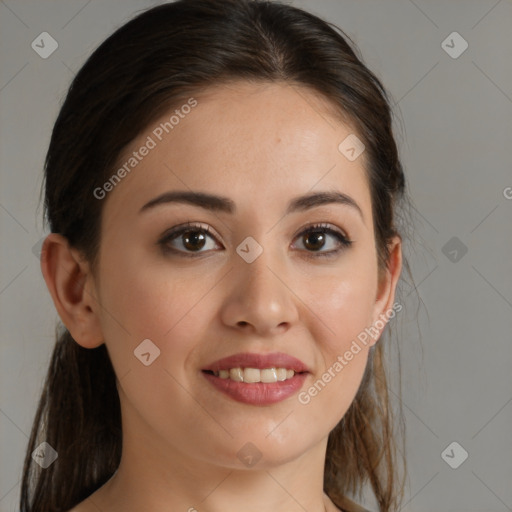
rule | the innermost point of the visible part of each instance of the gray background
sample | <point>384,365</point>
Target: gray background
<point>453,125</point>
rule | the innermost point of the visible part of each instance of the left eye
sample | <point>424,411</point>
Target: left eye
<point>193,238</point>
<point>316,235</point>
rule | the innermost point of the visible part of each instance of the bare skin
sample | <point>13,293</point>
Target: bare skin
<point>261,146</point>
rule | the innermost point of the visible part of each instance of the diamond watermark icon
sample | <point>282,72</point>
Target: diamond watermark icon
<point>249,454</point>
<point>454,455</point>
<point>249,249</point>
<point>44,455</point>
<point>454,249</point>
<point>44,45</point>
<point>38,247</point>
<point>454,45</point>
<point>351,147</point>
<point>146,352</point>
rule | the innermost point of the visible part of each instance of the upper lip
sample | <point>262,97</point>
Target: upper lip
<point>261,361</point>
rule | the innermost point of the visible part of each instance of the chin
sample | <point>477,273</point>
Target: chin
<point>260,451</point>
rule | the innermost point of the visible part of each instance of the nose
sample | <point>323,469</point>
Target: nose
<point>260,298</point>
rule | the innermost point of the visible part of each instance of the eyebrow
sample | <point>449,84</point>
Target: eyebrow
<point>224,204</point>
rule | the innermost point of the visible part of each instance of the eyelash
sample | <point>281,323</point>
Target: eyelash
<point>316,228</point>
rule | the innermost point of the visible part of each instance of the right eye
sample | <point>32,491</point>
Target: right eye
<point>191,237</point>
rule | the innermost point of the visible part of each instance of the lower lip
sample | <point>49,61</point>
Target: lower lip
<point>259,393</point>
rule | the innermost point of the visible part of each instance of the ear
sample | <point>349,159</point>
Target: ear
<point>71,286</point>
<point>388,280</point>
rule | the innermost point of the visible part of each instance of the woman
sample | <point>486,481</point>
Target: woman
<point>221,185</point>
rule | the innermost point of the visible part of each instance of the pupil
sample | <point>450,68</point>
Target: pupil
<point>319,238</point>
<point>192,239</point>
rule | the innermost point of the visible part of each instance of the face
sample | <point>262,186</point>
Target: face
<point>255,283</point>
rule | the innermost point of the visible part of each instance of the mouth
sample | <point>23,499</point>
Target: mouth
<point>257,379</point>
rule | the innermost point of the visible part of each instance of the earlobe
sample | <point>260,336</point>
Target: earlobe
<point>387,287</point>
<point>67,278</point>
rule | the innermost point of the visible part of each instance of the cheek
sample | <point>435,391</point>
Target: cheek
<point>156,304</point>
<point>344,307</point>
<point>141,300</point>
<point>343,310</point>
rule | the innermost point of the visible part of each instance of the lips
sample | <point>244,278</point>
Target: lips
<point>259,361</point>
<point>292,374</point>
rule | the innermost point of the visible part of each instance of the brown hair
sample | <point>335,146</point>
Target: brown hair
<point>151,63</point>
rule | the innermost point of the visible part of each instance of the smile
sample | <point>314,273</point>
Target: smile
<point>253,375</point>
<point>257,379</point>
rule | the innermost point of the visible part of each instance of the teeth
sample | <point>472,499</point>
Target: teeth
<point>252,375</point>
<point>236,374</point>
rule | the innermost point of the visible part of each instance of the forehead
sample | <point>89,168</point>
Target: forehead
<point>260,144</point>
